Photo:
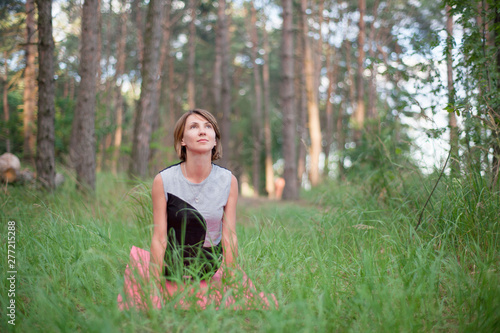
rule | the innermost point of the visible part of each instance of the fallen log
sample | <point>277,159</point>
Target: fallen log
<point>9,167</point>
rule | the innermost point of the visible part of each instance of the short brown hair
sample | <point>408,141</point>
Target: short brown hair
<point>179,133</point>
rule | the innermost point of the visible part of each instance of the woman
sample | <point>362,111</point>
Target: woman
<point>194,213</point>
<point>194,204</point>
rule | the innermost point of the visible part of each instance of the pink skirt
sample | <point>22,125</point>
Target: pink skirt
<point>186,295</point>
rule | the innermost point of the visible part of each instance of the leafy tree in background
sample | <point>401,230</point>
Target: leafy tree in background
<point>395,31</point>
<point>478,75</point>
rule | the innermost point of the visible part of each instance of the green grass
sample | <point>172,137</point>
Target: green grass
<point>343,259</point>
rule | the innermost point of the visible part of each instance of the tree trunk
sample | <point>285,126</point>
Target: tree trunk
<point>225,82</point>
<point>300,99</point>
<point>267,122</point>
<point>165,43</point>
<point>164,52</point>
<point>332,71</point>
<point>342,132</point>
<point>257,117</point>
<point>455,165</point>
<point>110,112</point>
<point>217,88</point>
<point>29,96</point>
<point>136,8</point>
<point>108,91</point>
<point>120,70</point>
<point>165,86</point>
<point>312,104</point>
<point>359,113</point>
<point>99,43</point>
<point>148,99</point>
<point>5,100</point>
<point>318,54</point>
<point>171,103</point>
<point>496,113</point>
<point>372,114</point>
<point>191,57</point>
<point>45,155</point>
<point>291,190</point>
<point>348,64</point>
<point>82,148</point>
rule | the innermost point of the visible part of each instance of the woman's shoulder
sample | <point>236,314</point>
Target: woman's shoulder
<point>170,169</point>
<point>221,171</point>
<point>223,177</point>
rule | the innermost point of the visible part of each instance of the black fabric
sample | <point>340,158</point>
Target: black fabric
<point>185,256</point>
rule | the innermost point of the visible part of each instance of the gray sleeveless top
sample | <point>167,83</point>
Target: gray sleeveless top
<point>207,198</point>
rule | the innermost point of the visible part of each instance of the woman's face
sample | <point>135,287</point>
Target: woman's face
<point>199,135</point>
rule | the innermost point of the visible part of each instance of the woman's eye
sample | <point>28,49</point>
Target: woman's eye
<point>209,126</point>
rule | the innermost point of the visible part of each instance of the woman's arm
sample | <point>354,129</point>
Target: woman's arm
<point>229,238</point>
<point>159,240</point>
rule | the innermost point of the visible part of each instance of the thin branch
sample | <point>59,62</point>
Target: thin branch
<point>430,195</point>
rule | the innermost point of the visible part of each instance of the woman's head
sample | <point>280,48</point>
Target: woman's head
<point>180,128</point>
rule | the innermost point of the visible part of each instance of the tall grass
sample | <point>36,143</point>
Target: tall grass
<point>344,259</point>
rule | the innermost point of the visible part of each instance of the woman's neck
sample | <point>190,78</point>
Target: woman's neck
<point>197,168</point>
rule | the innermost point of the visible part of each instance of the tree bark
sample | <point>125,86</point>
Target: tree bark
<point>191,57</point>
<point>267,122</point>
<point>120,70</point>
<point>291,190</point>
<point>166,84</point>
<point>99,43</point>
<point>225,82</point>
<point>165,45</point>
<point>318,54</point>
<point>350,75</point>
<point>359,113</point>
<point>29,95</point>
<point>82,148</point>
<point>312,103</point>
<point>454,165</point>
<point>257,116</point>
<point>148,99</point>
<point>496,113</point>
<point>372,113</point>
<point>332,72</point>
<point>217,79</point>
<point>301,98</point>
<point>164,53</point>
<point>5,99</point>
<point>106,88</point>
<point>45,155</point>
<point>136,8</point>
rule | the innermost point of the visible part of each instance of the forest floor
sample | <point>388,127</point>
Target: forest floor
<point>328,273</point>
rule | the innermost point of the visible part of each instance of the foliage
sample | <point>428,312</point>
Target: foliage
<point>478,77</point>
<point>14,125</point>
<point>62,126</point>
<point>382,156</point>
